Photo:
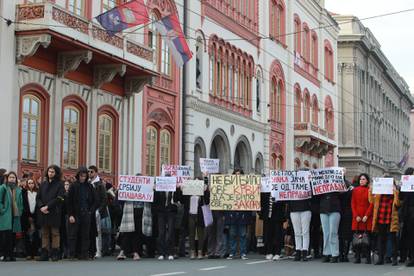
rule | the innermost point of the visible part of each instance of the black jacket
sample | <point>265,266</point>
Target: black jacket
<point>101,198</point>
<point>50,194</point>
<point>203,200</point>
<point>73,199</point>
<point>299,205</point>
<point>279,210</point>
<point>26,213</point>
<point>162,204</point>
<point>330,203</point>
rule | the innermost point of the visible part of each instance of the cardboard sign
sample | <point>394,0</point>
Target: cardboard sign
<point>136,188</point>
<point>327,180</point>
<point>193,187</point>
<point>290,185</point>
<point>209,165</point>
<point>166,184</point>
<point>182,173</point>
<point>383,186</point>
<point>407,183</point>
<point>235,192</point>
<point>266,187</point>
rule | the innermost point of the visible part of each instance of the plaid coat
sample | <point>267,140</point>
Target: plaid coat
<point>128,223</point>
<point>375,199</point>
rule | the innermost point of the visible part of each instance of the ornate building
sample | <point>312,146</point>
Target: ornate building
<point>375,104</point>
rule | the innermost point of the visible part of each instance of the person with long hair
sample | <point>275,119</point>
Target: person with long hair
<point>11,209</point>
<point>407,216</point>
<point>362,215</point>
<point>49,200</point>
<point>29,220</point>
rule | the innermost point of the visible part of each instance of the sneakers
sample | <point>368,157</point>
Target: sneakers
<point>98,255</point>
<point>244,257</point>
<point>269,257</point>
<point>171,258</point>
<point>192,255</point>
<point>276,257</point>
<point>161,258</point>
<point>136,257</point>
<point>121,256</point>
<point>200,255</point>
<point>230,257</point>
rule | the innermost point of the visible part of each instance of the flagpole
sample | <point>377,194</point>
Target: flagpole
<point>184,93</point>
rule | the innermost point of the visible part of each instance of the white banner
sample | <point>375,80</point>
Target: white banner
<point>383,186</point>
<point>136,188</point>
<point>328,180</point>
<point>290,185</point>
<point>166,184</point>
<point>407,183</point>
<point>193,187</point>
<point>209,165</point>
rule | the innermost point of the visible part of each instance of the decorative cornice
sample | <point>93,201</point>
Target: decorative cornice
<point>70,61</point>
<point>223,114</point>
<point>136,84</point>
<point>28,45</point>
<point>105,73</point>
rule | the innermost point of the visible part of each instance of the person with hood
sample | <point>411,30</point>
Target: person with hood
<point>11,210</point>
<point>80,206</point>
<point>49,201</point>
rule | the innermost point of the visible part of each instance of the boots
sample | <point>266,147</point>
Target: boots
<point>368,261</point>
<point>394,261</point>
<point>297,256</point>
<point>55,255</point>
<point>380,260</point>
<point>44,255</point>
<point>305,255</point>
<point>357,257</point>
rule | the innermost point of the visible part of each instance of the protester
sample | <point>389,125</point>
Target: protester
<point>385,223</point>
<point>49,200</point>
<point>29,220</point>
<point>362,216</point>
<point>345,226</point>
<point>407,214</point>
<point>11,209</point>
<point>80,203</point>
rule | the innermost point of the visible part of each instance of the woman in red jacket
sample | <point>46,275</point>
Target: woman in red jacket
<point>362,214</point>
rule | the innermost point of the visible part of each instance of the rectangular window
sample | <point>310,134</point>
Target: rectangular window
<point>76,6</point>
<point>165,58</point>
<point>230,73</point>
<point>70,138</point>
<point>211,75</point>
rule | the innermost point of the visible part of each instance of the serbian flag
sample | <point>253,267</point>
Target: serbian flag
<point>170,29</point>
<point>124,16</point>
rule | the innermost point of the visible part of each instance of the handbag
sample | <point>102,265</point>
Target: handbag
<point>360,240</point>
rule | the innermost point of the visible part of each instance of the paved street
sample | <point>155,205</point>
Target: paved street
<point>254,266</point>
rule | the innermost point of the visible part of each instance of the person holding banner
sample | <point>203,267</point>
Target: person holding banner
<point>407,215</point>
<point>385,222</point>
<point>362,215</point>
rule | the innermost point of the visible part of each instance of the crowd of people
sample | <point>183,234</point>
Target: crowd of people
<point>56,217</point>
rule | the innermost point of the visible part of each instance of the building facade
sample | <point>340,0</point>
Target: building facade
<point>261,89</point>
<point>375,105</point>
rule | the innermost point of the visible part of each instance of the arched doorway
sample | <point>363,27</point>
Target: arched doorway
<point>243,155</point>
<point>199,152</point>
<point>258,164</point>
<point>220,149</point>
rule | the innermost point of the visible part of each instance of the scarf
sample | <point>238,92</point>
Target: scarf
<point>15,210</point>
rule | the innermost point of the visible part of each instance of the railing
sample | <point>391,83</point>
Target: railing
<point>313,130</point>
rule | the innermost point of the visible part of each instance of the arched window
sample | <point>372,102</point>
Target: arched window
<point>211,74</point>
<point>315,110</point>
<point>31,118</point>
<point>277,20</point>
<point>298,104</point>
<point>199,63</point>
<point>71,129</point>
<point>278,163</point>
<point>329,61</point>
<point>279,103</point>
<point>314,49</point>
<point>329,115</point>
<point>105,138</point>
<point>298,31</point>
<point>165,147</point>
<point>306,42</point>
<point>258,90</point>
<point>151,151</point>
<point>306,107</point>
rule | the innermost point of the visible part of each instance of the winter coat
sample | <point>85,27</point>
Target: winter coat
<point>361,207</point>
<point>73,199</point>
<point>279,208</point>
<point>50,194</point>
<point>202,200</point>
<point>407,206</point>
<point>27,215</point>
<point>330,203</point>
<point>162,204</point>
<point>101,198</point>
<point>375,199</point>
<point>7,221</point>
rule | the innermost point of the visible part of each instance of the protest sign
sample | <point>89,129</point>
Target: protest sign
<point>209,165</point>
<point>407,183</point>
<point>181,172</point>
<point>383,186</point>
<point>266,187</point>
<point>327,180</point>
<point>136,188</point>
<point>290,185</point>
<point>193,187</point>
<point>235,192</point>
<point>166,184</point>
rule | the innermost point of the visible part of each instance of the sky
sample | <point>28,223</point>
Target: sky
<point>394,32</point>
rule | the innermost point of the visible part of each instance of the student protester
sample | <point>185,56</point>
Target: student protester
<point>362,215</point>
<point>29,220</point>
<point>407,215</point>
<point>2,175</point>
<point>100,214</point>
<point>345,225</point>
<point>80,204</point>
<point>385,223</point>
<point>49,200</point>
<point>11,209</point>
<point>64,245</point>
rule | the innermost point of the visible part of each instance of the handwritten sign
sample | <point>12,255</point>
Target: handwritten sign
<point>266,186</point>
<point>182,173</point>
<point>136,188</point>
<point>383,186</point>
<point>327,180</point>
<point>290,185</point>
<point>407,183</point>
<point>193,187</point>
<point>235,192</point>
<point>209,165</point>
<point>166,184</point>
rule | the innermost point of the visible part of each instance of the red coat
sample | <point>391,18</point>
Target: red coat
<point>360,208</point>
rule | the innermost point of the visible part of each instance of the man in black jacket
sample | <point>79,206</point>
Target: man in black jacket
<point>80,204</point>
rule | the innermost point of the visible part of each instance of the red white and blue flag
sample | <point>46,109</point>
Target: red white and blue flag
<point>170,29</point>
<point>124,16</point>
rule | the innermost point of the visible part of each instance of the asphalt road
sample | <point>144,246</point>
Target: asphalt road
<point>255,266</point>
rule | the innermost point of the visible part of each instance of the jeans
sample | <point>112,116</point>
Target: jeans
<point>330,225</point>
<point>383,234</point>
<point>78,232</point>
<point>166,228</point>
<point>241,232</point>
<point>301,225</point>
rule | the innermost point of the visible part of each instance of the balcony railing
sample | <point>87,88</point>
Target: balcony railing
<point>310,129</point>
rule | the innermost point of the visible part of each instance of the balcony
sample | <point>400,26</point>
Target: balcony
<point>306,69</point>
<point>71,39</point>
<point>312,138</point>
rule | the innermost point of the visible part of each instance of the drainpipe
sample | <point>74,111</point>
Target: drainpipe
<point>184,84</point>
